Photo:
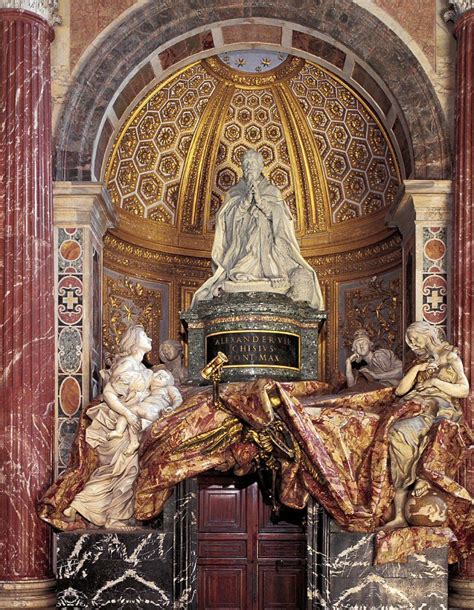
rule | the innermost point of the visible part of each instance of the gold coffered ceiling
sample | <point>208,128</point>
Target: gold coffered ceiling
<point>179,152</point>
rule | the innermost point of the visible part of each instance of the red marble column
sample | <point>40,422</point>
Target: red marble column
<point>26,308</point>
<point>462,587</point>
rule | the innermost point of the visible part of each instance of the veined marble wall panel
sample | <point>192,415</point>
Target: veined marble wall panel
<point>96,348</point>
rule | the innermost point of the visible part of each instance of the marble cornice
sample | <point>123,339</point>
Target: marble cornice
<point>85,204</point>
<point>46,9</point>
<point>423,201</point>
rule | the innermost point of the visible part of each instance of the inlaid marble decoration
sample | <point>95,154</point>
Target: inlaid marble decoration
<point>435,283</point>
<point>70,312</point>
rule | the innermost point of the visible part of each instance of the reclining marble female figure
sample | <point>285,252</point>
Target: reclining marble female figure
<point>380,365</point>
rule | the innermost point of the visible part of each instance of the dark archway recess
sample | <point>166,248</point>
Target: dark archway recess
<point>143,30</point>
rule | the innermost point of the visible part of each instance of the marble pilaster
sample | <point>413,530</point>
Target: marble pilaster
<point>27,311</point>
<point>462,13</point>
<point>423,217</point>
<point>82,214</point>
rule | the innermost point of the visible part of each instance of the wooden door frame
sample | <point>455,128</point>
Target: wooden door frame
<point>185,502</point>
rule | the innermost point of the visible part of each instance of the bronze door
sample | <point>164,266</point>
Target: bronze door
<point>247,558</point>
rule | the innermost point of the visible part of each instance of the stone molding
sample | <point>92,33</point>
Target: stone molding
<point>85,204</point>
<point>461,593</point>
<point>423,201</point>
<point>28,594</point>
<point>47,9</point>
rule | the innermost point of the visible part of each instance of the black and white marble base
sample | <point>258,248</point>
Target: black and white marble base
<point>114,569</point>
<point>144,568</point>
<point>341,574</point>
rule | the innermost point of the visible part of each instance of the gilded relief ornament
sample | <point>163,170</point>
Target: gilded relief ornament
<point>376,307</point>
<point>127,302</point>
<point>216,67</point>
<point>321,144</point>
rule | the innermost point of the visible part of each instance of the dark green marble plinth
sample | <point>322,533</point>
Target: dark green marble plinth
<point>262,334</point>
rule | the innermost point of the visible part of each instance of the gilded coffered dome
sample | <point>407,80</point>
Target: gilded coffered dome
<point>179,152</point>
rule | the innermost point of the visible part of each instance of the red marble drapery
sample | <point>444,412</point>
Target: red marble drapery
<point>26,303</point>
<point>339,456</point>
<point>463,310</point>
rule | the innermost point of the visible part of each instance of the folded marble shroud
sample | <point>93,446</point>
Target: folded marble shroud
<point>343,459</point>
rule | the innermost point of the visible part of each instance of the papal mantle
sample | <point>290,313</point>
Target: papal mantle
<point>255,247</point>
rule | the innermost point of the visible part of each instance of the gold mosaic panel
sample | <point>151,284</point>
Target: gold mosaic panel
<point>359,165</point>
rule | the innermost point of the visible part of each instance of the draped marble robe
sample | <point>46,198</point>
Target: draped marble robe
<point>258,242</point>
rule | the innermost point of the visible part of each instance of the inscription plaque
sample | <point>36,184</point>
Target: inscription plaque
<point>252,348</point>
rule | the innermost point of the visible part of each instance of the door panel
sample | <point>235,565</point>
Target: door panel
<point>275,549</point>
<point>222,548</point>
<point>281,587</point>
<point>222,587</point>
<point>248,558</point>
<point>222,510</point>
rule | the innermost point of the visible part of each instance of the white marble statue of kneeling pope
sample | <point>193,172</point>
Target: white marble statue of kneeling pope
<point>255,247</point>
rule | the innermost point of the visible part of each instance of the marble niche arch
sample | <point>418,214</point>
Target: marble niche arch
<point>152,40</point>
